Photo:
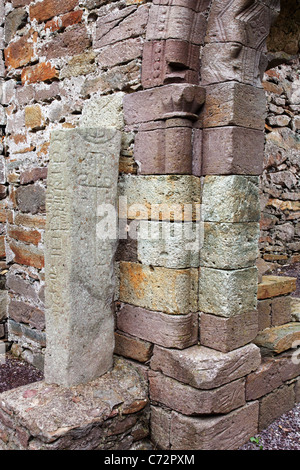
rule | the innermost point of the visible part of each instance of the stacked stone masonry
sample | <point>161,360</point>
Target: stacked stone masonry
<point>204,354</point>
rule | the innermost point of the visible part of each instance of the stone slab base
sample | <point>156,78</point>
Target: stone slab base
<point>108,413</point>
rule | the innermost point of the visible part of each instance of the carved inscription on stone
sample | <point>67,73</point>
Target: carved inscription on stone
<point>82,179</point>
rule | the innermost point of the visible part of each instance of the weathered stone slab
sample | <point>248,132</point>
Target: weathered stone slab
<point>133,348</point>
<point>205,368</point>
<point>229,245</point>
<point>227,292</point>
<point>104,111</point>
<point>228,61</point>
<point>227,334</point>
<point>226,432</point>
<point>170,245</point>
<point>191,401</point>
<point>232,150</point>
<point>234,104</point>
<point>82,177</point>
<point>169,331</point>
<point>274,286</point>
<point>121,24</point>
<point>93,416</point>
<point>295,308</point>
<point>232,198</point>
<point>160,197</point>
<point>279,338</point>
<point>173,291</point>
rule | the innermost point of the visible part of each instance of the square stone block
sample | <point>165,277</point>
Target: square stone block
<point>234,104</point>
<point>227,293</point>
<point>232,151</point>
<point>229,245</point>
<point>227,334</point>
<point>232,198</point>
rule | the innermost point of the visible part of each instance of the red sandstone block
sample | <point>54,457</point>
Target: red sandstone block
<point>271,374</point>
<point>224,432</point>
<point>46,9</point>
<point>232,150</point>
<point>120,25</point>
<point>27,236</point>
<point>38,73</point>
<point>65,20</point>
<point>171,331</point>
<point>22,312</point>
<point>20,52</point>
<point>170,61</point>
<point>71,42</point>
<point>281,310</point>
<point>206,368</point>
<point>133,348</point>
<point>227,334</point>
<point>264,314</point>
<point>169,101</point>
<point>275,404</point>
<point>164,147</point>
<point>234,104</point>
<point>33,174</point>
<point>176,22</point>
<point>27,255</point>
<point>191,401</point>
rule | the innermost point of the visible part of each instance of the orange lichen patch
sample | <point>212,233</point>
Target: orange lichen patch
<point>133,274</point>
<point>27,255</point>
<point>21,52</point>
<point>43,149</point>
<point>27,236</point>
<point>284,205</point>
<point>63,21</point>
<point>32,221</point>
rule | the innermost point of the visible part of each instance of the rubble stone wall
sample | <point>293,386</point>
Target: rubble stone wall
<point>280,182</point>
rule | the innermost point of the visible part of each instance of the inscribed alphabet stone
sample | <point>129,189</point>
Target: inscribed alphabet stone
<point>82,178</point>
